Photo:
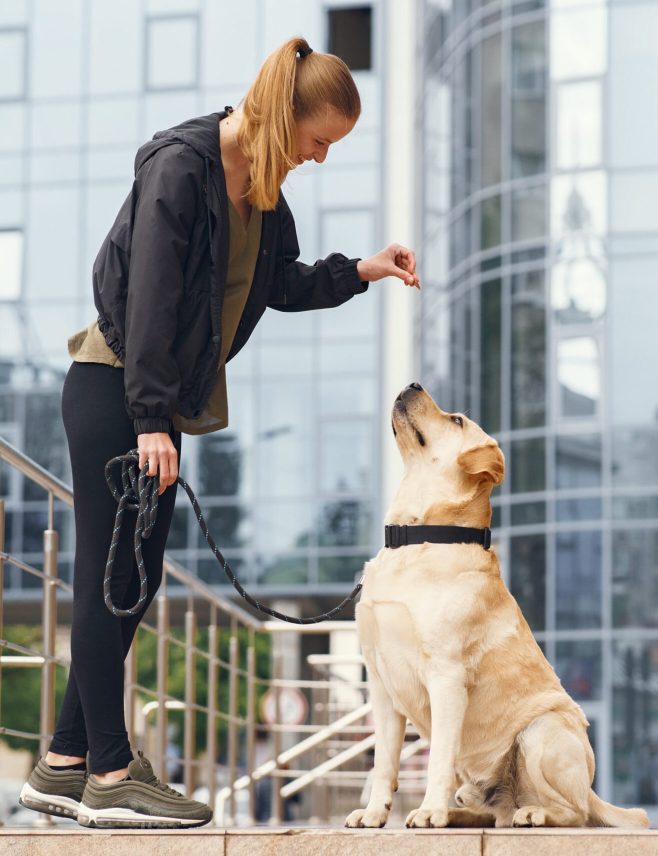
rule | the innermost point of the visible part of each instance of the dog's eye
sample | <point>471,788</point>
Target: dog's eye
<point>458,421</point>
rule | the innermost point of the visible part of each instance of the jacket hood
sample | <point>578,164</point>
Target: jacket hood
<point>201,133</point>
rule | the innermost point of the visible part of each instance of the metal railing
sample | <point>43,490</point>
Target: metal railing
<point>217,645</point>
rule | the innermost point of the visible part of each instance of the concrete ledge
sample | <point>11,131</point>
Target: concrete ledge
<point>303,841</point>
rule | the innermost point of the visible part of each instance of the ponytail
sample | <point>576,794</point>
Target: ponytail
<point>288,88</point>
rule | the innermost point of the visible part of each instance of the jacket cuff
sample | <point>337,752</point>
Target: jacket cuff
<point>350,282</point>
<point>152,425</point>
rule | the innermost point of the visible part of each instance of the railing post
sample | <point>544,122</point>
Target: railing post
<point>276,812</point>
<point>49,627</point>
<point>211,725</point>
<point>2,586</point>
<point>189,750</point>
<point>161,684</point>
<point>232,713</point>
<point>130,692</point>
<point>251,723</point>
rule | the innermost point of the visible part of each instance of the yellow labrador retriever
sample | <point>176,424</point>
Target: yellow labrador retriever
<point>447,647</point>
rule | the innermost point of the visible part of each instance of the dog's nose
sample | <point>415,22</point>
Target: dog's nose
<point>414,385</point>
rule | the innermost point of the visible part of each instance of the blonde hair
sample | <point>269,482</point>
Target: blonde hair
<point>288,88</point>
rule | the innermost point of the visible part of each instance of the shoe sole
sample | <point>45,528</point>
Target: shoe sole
<point>104,818</point>
<point>48,803</point>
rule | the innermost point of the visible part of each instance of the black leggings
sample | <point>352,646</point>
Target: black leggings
<point>98,428</point>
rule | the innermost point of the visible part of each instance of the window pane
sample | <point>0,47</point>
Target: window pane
<point>490,358</point>
<point>528,576</point>
<point>529,213</point>
<point>344,523</point>
<point>635,722</point>
<point>578,460</point>
<point>634,578</point>
<point>578,665</point>
<point>578,580</point>
<point>11,264</point>
<point>528,99</point>
<point>491,111</point>
<point>346,456</point>
<point>528,350</point>
<point>578,289</point>
<point>579,137</point>
<point>12,63</point>
<point>528,465</point>
<point>579,376</point>
<point>172,52</point>
<point>635,456</point>
<point>339,569</point>
<point>490,227</point>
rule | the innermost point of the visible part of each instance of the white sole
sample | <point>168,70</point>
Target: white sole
<point>48,803</point>
<point>128,817</point>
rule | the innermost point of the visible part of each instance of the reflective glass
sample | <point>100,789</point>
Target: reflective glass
<point>528,381</point>
<point>525,513</point>
<point>635,507</point>
<point>579,132</point>
<point>12,63</point>
<point>578,460</point>
<point>172,52</point>
<point>490,355</point>
<point>491,223</point>
<point>491,83</point>
<point>578,376</point>
<point>230,526</point>
<point>635,722</point>
<point>339,569</point>
<point>528,577</point>
<point>285,358</point>
<point>284,525</point>
<point>578,40</point>
<point>578,580</point>
<point>346,456</point>
<point>635,455</point>
<point>528,465</point>
<point>580,508</point>
<point>634,578</point>
<point>578,665</point>
<point>282,570</point>
<point>579,212</point>
<point>528,131</point>
<point>529,213</point>
<point>11,265</point>
<point>348,395</point>
<point>578,288</point>
<point>344,523</point>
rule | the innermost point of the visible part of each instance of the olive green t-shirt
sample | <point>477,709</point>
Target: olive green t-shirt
<point>89,346</point>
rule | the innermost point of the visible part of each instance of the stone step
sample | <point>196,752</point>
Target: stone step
<point>304,841</point>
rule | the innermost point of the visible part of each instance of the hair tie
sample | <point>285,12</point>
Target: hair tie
<point>304,51</point>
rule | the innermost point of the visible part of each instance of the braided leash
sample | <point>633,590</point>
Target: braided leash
<point>140,492</point>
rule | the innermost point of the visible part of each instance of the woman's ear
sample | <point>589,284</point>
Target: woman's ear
<point>481,455</point>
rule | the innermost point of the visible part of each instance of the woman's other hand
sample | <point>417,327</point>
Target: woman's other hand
<point>394,260</point>
<point>158,449</point>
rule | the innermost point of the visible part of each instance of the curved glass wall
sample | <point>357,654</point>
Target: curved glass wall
<point>540,263</point>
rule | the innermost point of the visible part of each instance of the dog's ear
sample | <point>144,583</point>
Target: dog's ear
<point>481,455</point>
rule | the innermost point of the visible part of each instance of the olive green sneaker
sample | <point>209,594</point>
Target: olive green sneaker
<point>55,792</point>
<point>139,800</point>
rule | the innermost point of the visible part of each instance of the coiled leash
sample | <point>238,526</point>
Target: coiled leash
<point>140,492</point>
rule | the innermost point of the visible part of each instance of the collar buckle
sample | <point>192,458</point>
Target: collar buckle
<point>486,542</point>
<point>395,535</point>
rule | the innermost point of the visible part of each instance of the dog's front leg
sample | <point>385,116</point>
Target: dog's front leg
<point>448,700</point>
<point>389,735</point>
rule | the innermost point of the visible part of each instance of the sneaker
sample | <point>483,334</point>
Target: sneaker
<point>53,791</point>
<point>139,800</point>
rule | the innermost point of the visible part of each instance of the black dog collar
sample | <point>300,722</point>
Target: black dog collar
<point>399,535</point>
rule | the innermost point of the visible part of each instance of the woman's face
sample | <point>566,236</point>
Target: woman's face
<point>315,134</point>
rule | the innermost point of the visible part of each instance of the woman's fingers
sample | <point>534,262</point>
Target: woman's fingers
<point>159,451</point>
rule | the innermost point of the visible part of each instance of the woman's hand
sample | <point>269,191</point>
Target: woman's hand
<point>394,260</point>
<point>158,449</point>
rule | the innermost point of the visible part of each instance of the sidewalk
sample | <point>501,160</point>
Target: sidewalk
<point>330,842</point>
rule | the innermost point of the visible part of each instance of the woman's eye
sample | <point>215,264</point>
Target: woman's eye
<point>458,421</point>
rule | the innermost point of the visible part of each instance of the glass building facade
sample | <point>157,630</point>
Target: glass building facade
<point>540,253</point>
<point>290,488</point>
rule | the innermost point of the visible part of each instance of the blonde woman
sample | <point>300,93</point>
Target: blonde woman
<point>202,245</point>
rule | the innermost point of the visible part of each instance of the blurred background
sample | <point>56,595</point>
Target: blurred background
<point>514,147</point>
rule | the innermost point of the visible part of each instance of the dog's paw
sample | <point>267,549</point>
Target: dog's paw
<point>424,817</point>
<point>367,817</point>
<point>529,815</point>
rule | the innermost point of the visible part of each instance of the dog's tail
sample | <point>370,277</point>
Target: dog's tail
<point>604,814</point>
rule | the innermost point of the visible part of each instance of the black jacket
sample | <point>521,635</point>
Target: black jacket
<point>160,275</point>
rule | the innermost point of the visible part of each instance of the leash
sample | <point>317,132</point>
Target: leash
<point>140,492</point>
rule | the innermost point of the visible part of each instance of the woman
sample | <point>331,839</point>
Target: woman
<point>202,245</point>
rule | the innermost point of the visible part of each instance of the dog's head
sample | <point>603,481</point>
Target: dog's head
<point>445,455</point>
